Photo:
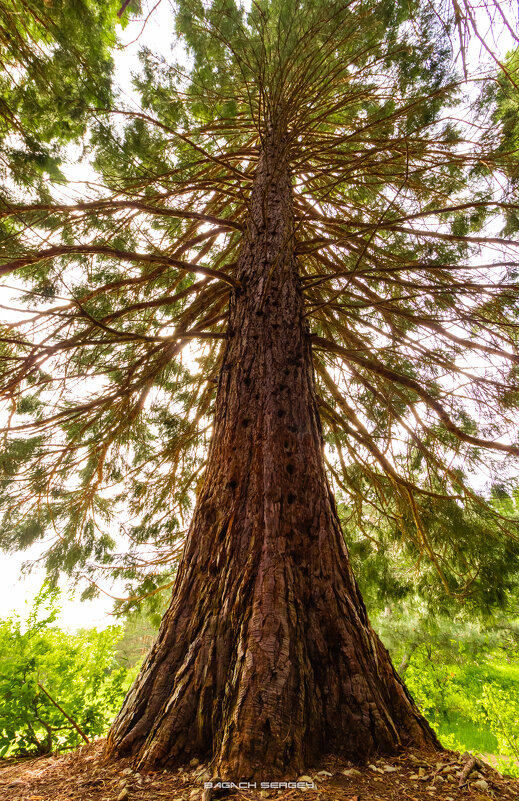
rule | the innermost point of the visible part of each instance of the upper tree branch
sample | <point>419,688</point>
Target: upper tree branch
<point>116,253</point>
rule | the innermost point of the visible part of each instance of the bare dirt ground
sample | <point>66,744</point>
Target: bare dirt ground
<point>83,775</point>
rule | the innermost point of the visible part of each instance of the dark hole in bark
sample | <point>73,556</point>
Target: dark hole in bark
<point>290,498</point>
<point>223,531</point>
<point>282,387</point>
<point>334,640</point>
<point>290,469</point>
<point>246,381</point>
<point>232,484</point>
<point>293,429</point>
<point>281,412</point>
<point>245,422</point>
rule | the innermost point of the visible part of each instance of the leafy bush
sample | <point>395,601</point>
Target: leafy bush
<point>56,689</point>
<point>498,708</point>
<point>467,685</point>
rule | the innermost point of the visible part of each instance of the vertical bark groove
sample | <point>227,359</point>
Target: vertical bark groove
<point>265,657</point>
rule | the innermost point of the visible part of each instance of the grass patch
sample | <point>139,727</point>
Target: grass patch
<point>467,733</point>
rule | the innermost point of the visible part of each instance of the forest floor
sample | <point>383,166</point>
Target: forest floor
<point>83,775</point>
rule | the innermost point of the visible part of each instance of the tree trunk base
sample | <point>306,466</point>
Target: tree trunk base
<point>284,668</point>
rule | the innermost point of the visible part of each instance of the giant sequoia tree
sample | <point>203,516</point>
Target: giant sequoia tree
<point>302,208</point>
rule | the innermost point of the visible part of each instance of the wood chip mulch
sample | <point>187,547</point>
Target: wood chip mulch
<point>83,775</point>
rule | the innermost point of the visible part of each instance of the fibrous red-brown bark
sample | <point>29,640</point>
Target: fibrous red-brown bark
<point>266,658</point>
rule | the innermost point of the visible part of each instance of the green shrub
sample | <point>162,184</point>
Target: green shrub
<point>56,689</point>
<point>472,704</point>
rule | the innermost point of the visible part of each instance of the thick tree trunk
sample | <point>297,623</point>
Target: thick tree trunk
<point>265,658</point>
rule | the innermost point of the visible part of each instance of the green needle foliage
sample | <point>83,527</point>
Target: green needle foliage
<point>110,375</point>
<point>506,94</point>
<point>56,59</point>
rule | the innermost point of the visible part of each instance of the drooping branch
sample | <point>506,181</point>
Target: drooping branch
<point>380,369</point>
<point>124,255</point>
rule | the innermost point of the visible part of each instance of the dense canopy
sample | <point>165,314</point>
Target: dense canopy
<point>404,183</point>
